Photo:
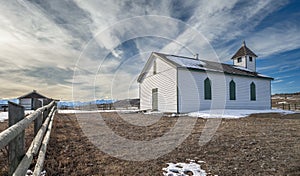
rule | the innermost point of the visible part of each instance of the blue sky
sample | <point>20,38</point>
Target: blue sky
<point>95,49</point>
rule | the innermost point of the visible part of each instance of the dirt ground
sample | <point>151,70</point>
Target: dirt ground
<point>263,144</point>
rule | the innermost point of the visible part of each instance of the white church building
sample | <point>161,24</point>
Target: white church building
<point>179,84</point>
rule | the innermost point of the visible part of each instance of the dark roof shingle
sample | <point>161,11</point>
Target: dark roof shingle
<point>205,65</point>
<point>243,51</point>
<point>33,94</point>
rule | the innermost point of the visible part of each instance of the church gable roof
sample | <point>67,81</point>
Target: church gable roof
<point>205,65</point>
<point>243,51</point>
<point>200,65</point>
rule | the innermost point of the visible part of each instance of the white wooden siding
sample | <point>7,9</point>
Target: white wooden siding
<point>251,65</point>
<point>246,62</point>
<point>191,92</point>
<point>242,64</point>
<point>165,80</point>
<point>263,93</point>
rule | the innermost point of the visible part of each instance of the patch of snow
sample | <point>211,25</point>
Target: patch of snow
<point>277,97</point>
<point>153,112</point>
<point>29,173</point>
<point>43,173</point>
<point>63,111</point>
<point>200,162</point>
<point>242,68</point>
<point>282,102</point>
<point>28,111</point>
<point>3,116</point>
<point>182,169</point>
<point>191,63</point>
<point>234,113</point>
<point>174,115</point>
<point>186,62</point>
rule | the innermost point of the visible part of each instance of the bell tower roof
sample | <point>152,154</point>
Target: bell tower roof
<point>243,51</point>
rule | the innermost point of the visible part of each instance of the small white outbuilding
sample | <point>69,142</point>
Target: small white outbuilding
<point>179,84</point>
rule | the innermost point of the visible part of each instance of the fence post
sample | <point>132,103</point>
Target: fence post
<point>16,148</point>
<point>295,107</point>
<point>289,106</point>
<point>38,121</point>
<point>45,114</point>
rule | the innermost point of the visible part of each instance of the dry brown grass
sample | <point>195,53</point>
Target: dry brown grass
<point>263,144</point>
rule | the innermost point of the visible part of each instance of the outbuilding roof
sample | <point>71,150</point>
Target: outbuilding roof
<point>33,94</point>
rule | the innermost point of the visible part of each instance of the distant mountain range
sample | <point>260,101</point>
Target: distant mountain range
<point>5,101</point>
<point>287,94</point>
<point>72,104</point>
<point>127,103</point>
<point>65,103</point>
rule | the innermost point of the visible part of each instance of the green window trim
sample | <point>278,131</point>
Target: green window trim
<point>207,89</point>
<point>252,92</point>
<point>232,90</point>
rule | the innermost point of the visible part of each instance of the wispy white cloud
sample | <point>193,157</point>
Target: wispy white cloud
<point>278,81</point>
<point>281,67</point>
<point>287,76</point>
<point>222,21</point>
<point>269,67</point>
<point>87,37</point>
<point>280,37</point>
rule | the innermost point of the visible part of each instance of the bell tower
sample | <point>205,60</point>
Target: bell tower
<point>244,57</point>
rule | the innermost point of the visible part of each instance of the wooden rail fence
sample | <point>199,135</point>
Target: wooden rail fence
<point>14,137</point>
<point>288,106</point>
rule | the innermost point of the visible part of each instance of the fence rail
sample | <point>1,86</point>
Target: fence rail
<point>14,136</point>
<point>287,106</point>
<point>290,106</point>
